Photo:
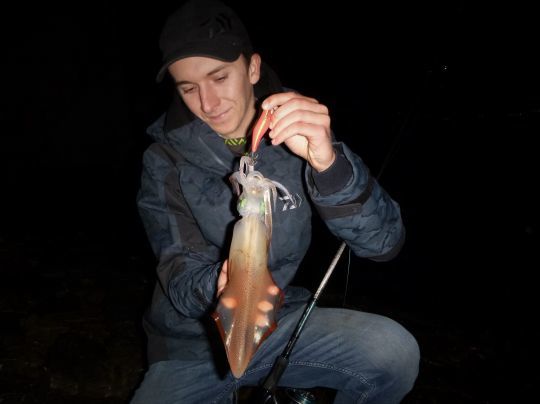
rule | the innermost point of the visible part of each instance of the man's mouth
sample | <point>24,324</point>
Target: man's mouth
<point>217,118</point>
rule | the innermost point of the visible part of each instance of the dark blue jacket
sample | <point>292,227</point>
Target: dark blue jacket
<point>188,209</point>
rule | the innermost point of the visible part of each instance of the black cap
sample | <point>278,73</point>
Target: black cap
<point>203,28</point>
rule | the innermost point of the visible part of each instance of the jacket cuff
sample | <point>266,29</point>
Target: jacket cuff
<point>394,251</point>
<point>335,177</point>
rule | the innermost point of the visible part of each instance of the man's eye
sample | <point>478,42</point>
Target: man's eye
<point>221,78</point>
<point>187,90</point>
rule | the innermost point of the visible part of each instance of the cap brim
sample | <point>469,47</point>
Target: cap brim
<point>214,51</point>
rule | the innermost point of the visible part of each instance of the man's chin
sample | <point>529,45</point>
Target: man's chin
<point>222,130</point>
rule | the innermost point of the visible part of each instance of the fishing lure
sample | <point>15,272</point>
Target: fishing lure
<point>260,128</point>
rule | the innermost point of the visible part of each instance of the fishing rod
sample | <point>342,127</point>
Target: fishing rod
<point>270,383</point>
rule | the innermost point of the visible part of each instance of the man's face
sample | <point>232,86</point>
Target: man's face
<point>219,93</point>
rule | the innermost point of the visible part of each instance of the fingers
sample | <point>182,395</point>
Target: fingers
<point>296,114</point>
<point>279,99</point>
<point>223,277</point>
<point>303,124</point>
<point>284,104</point>
<point>311,124</point>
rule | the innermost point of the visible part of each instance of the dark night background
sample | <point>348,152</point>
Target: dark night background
<point>442,99</point>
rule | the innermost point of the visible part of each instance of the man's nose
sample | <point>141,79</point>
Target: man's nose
<point>209,100</point>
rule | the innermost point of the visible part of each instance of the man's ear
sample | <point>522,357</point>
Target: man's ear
<point>254,68</point>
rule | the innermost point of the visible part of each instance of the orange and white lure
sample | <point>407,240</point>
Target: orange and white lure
<point>260,128</point>
<point>246,310</point>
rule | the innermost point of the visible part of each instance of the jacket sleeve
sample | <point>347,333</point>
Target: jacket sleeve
<point>357,210</point>
<point>188,266</point>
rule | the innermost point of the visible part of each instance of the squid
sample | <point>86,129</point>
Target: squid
<point>246,311</point>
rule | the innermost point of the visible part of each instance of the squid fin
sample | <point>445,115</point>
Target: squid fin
<point>243,328</point>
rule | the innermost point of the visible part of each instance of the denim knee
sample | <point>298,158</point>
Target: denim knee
<point>397,356</point>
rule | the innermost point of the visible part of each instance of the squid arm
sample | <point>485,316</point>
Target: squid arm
<point>246,311</point>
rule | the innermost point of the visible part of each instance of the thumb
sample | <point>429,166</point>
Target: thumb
<point>223,277</point>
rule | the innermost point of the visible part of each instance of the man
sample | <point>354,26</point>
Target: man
<point>187,207</point>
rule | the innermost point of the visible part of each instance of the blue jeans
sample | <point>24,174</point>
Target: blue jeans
<point>366,357</point>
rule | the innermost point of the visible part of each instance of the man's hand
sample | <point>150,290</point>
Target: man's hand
<point>303,124</point>
<point>223,278</point>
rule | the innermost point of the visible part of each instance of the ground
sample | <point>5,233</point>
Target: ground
<point>70,314</point>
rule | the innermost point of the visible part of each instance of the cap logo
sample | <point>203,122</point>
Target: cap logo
<point>218,24</point>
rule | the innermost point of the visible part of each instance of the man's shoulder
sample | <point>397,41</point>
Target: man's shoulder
<point>162,154</point>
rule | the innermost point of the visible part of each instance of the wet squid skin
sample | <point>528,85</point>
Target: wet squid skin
<point>245,314</point>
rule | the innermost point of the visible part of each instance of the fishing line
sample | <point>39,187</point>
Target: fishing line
<point>394,148</point>
<point>347,278</point>
<point>270,383</point>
